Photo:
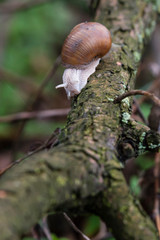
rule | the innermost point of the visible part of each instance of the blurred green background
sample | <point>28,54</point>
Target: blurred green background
<point>30,42</point>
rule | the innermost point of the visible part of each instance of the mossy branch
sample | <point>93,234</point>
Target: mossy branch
<point>83,172</point>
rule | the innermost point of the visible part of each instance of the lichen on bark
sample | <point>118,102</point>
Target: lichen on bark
<point>83,171</point>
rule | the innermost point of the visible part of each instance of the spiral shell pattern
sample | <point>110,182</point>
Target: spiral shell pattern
<point>86,42</point>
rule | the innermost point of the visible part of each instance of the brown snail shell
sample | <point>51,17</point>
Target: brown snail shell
<point>86,42</point>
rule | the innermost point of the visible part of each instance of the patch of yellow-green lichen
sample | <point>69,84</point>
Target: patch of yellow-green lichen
<point>110,99</point>
<point>125,117</point>
<point>153,146</point>
<point>126,102</point>
<point>141,147</point>
<point>149,30</point>
<point>61,180</point>
<point>77,182</point>
<point>137,56</point>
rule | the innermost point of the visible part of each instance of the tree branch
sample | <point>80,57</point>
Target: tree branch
<point>155,99</point>
<point>35,114</point>
<point>83,172</point>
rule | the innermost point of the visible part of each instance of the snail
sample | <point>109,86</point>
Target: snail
<point>81,53</point>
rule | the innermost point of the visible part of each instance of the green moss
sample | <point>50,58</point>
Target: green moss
<point>73,196</point>
<point>61,180</point>
<point>123,209</point>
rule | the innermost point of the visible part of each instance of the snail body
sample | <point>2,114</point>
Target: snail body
<point>81,53</point>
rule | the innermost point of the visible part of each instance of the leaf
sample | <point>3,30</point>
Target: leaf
<point>134,185</point>
<point>92,225</point>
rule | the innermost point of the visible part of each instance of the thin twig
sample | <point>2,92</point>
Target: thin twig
<point>11,7</point>
<point>36,114</point>
<point>155,99</point>
<point>156,212</point>
<point>156,172</point>
<point>49,143</point>
<point>93,5</point>
<point>47,78</point>
<point>20,159</point>
<point>75,227</point>
<point>44,226</point>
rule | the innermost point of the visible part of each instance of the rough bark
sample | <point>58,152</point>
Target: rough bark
<point>83,171</point>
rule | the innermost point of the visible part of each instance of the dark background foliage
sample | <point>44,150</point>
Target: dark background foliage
<point>30,42</point>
